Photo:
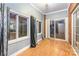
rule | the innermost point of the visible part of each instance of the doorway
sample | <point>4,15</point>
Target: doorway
<point>57,29</point>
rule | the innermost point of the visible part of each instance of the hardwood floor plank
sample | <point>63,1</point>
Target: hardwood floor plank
<point>50,47</point>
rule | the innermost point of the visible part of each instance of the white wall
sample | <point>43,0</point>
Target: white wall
<point>27,10</point>
<point>57,16</point>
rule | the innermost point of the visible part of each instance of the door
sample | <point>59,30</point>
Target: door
<point>57,29</point>
<point>52,29</point>
<point>60,29</point>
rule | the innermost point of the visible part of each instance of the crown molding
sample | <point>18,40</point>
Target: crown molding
<point>48,12</point>
<point>55,11</point>
<point>36,8</point>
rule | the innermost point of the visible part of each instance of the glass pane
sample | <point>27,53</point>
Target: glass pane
<point>0,5</point>
<point>77,22</point>
<point>74,37</point>
<point>77,30</point>
<point>22,26</point>
<point>77,37</point>
<point>12,26</point>
<point>52,28</point>
<point>60,29</point>
<point>74,29</point>
<point>0,32</point>
<point>39,27</point>
<point>74,19</point>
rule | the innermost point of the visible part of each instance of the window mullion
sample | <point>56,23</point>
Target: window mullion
<point>17,26</point>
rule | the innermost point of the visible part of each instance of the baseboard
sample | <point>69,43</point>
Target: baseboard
<point>60,39</point>
<point>39,40</point>
<point>74,51</point>
<point>57,39</point>
<point>21,50</point>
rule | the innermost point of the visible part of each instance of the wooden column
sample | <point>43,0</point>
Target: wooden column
<point>44,26</point>
<point>70,11</point>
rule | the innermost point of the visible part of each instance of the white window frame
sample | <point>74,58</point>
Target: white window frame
<point>17,28</point>
<point>66,27</point>
<point>38,28</point>
<point>73,24</point>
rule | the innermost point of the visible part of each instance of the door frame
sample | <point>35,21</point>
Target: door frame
<point>66,27</point>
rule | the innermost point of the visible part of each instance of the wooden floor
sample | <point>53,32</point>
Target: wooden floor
<point>49,47</point>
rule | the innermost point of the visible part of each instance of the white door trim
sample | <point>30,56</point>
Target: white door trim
<point>66,27</point>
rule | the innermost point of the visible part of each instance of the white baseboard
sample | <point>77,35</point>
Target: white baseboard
<point>58,39</point>
<point>21,50</point>
<point>74,51</point>
<point>39,40</point>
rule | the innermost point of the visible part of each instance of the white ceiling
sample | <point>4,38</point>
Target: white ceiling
<point>47,8</point>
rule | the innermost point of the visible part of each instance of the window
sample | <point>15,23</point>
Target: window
<point>22,26</point>
<point>17,26</point>
<point>0,13</point>
<point>12,28</point>
<point>76,29</point>
<point>39,27</point>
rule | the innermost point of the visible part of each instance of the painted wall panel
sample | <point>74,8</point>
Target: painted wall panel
<point>12,48</point>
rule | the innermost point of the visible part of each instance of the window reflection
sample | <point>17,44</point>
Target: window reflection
<point>39,27</point>
<point>21,22</point>
<point>22,26</point>
<point>12,26</point>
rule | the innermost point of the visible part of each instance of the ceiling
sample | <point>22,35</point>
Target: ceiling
<point>52,7</point>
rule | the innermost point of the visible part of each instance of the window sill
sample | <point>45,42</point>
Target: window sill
<point>17,40</point>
